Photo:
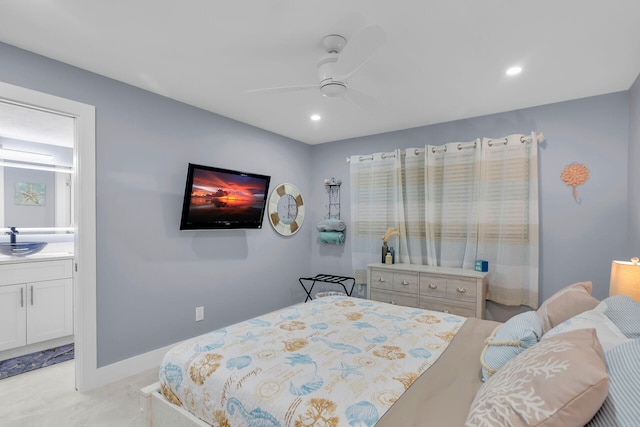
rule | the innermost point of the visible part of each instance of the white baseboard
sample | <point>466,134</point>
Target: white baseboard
<point>125,368</point>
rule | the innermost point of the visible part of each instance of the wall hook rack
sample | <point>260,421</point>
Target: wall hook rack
<point>333,192</point>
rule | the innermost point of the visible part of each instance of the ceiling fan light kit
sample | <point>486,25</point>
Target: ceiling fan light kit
<point>334,43</point>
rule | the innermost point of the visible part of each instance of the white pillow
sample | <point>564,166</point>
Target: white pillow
<point>608,333</point>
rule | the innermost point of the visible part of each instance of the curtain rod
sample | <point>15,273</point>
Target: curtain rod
<point>523,139</point>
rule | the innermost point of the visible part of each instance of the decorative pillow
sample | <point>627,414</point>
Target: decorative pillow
<point>608,333</point>
<point>621,405</point>
<point>624,311</point>
<point>508,340</point>
<point>566,303</point>
<point>558,382</point>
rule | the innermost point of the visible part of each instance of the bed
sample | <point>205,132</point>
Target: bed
<point>343,361</point>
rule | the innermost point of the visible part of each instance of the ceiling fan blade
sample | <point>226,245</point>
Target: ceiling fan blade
<point>283,89</point>
<point>362,100</point>
<point>359,49</point>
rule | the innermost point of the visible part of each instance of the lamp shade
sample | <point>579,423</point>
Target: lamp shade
<point>625,279</point>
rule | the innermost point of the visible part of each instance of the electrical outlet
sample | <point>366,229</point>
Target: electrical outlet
<point>199,314</point>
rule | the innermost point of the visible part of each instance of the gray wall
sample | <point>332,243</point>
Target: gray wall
<point>634,170</point>
<point>578,240</point>
<point>152,276</point>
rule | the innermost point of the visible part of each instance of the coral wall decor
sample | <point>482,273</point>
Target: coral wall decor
<point>575,174</point>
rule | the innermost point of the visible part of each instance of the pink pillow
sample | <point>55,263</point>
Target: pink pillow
<point>559,382</point>
<point>566,303</point>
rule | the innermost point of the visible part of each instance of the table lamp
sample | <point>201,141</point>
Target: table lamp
<point>625,278</point>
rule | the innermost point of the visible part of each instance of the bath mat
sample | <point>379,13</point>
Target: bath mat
<point>33,361</point>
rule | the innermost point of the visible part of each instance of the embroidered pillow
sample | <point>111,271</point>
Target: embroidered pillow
<point>621,405</point>
<point>566,303</point>
<point>608,333</point>
<point>559,382</point>
<point>508,340</point>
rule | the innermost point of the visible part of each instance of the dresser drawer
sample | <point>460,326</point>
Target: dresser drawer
<point>433,286</point>
<point>405,282</point>
<point>394,298</point>
<point>448,306</point>
<point>381,279</point>
<point>462,290</point>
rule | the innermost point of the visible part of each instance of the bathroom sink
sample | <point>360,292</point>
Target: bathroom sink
<point>21,248</point>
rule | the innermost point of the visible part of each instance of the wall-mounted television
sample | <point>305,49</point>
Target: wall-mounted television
<point>216,198</point>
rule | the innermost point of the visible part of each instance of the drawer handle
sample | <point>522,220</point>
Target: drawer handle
<point>433,286</point>
<point>381,279</point>
<point>405,283</point>
<point>461,290</point>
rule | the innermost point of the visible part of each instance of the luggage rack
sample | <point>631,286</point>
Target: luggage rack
<point>327,278</point>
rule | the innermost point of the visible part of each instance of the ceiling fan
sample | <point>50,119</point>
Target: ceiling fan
<point>342,60</point>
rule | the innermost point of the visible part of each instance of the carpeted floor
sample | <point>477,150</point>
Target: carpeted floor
<point>30,362</point>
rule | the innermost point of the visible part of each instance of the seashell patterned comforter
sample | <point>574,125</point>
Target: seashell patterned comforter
<point>334,361</point>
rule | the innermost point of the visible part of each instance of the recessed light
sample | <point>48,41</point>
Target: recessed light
<point>315,117</point>
<point>514,71</point>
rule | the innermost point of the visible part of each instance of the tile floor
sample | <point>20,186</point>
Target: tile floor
<point>46,397</point>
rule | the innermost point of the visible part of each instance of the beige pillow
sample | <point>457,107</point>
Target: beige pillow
<point>560,382</point>
<point>566,303</point>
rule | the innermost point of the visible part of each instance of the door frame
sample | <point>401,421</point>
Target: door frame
<point>84,176</point>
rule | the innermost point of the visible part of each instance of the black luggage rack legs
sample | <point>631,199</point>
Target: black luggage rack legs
<point>327,278</point>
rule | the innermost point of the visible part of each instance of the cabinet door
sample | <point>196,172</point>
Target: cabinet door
<point>49,310</point>
<point>13,331</point>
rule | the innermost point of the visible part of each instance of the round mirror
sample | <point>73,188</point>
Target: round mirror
<point>286,209</point>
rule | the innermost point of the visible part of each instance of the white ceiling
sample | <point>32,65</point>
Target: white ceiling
<point>443,60</point>
<point>28,124</point>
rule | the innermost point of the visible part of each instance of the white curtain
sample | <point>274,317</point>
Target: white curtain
<point>412,244</point>
<point>453,204</point>
<point>451,189</point>
<point>375,206</point>
<point>508,218</point>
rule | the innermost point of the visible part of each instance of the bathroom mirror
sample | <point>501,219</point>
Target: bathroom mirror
<point>286,209</point>
<point>36,159</point>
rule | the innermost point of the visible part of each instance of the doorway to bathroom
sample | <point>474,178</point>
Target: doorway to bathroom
<point>47,160</point>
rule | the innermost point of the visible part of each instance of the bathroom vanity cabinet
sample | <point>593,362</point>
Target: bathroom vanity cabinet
<point>36,302</point>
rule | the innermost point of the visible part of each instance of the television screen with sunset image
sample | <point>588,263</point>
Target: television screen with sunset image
<point>217,198</point>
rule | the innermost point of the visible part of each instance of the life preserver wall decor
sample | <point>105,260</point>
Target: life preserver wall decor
<point>286,209</point>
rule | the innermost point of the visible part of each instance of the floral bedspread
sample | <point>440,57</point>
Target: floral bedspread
<point>333,361</point>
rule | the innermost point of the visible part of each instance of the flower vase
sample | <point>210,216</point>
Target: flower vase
<point>385,249</point>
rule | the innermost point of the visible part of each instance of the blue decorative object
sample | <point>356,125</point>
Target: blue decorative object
<point>482,265</point>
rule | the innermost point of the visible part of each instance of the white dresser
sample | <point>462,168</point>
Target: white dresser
<point>451,290</point>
